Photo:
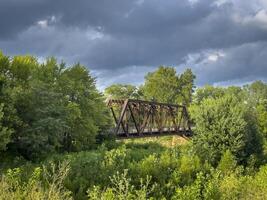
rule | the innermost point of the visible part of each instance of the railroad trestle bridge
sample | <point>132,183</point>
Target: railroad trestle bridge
<point>138,118</point>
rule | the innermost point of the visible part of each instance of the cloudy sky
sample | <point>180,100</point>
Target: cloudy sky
<point>223,41</point>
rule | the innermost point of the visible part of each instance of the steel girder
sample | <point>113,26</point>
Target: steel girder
<point>138,118</point>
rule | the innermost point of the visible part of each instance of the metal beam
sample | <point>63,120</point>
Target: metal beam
<point>147,118</point>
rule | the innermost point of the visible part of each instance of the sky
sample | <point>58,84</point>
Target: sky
<point>224,42</point>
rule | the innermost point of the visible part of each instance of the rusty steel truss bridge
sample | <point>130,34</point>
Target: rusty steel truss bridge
<point>138,118</point>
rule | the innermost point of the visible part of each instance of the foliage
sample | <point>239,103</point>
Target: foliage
<point>164,85</point>
<point>257,92</point>
<point>190,192</point>
<point>137,172</point>
<point>227,164</point>
<point>48,107</point>
<point>186,87</point>
<point>209,91</point>
<point>224,124</point>
<point>41,184</point>
<point>5,133</point>
<point>121,189</point>
<point>206,92</point>
<point>262,117</point>
<point>123,91</point>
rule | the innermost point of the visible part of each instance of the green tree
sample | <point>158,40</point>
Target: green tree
<point>262,117</point>
<point>44,120</point>
<point>49,107</point>
<point>224,124</point>
<point>161,85</point>
<point>206,92</point>
<point>257,92</point>
<point>5,133</point>
<point>87,113</point>
<point>164,85</point>
<point>186,87</point>
<point>123,91</point>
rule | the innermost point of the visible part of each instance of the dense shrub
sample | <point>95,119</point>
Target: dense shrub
<point>95,168</point>
<point>44,183</point>
<point>225,124</point>
<point>127,173</point>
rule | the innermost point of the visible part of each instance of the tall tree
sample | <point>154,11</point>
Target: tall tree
<point>166,86</point>
<point>186,83</point>
<point>87,113</point>
<point>48,106</point>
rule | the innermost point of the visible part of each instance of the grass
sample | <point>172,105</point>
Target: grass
<point>165,141</point>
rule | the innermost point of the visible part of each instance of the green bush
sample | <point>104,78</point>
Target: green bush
<point>94,168</point>
<point>44,183</point>
<point>134,173</point>
<point>225,124</point>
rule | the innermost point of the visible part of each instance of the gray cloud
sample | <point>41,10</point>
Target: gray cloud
<point>121,40</point>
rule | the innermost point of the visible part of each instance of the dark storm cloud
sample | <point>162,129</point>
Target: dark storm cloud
<point>127,36</point>
<point>247,61</point>
<point>16,15</point>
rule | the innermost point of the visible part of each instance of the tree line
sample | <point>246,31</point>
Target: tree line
<point>225,118</point>
<point>48,107</point>
<point>162,85</point>
<point>51,115</point>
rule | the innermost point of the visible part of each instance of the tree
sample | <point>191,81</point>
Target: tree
<point>186,89</point>
<point>5,133</point>
<point>206,92</point>
<point>87,113</point>
<point>225,124</point>
<point>123,91</point>
<point>10,119</point>
<point>44,117</point>
<point>161,85</point>
<point>262,117</point>
<point>49,107</point>
<point>164,85</point>
<point>209,91</point>
<point>256,97</point>
<point>258,90</point>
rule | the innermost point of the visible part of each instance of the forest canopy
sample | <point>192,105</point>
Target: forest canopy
<point>48,107</point>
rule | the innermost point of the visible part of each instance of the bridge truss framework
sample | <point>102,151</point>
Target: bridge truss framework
<point>138,118</point>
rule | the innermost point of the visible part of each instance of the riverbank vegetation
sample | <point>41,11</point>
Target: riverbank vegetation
<point>54,141</point>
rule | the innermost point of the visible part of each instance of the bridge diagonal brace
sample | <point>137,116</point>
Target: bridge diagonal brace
<point>139,118</point>
<point>132,115</point>
<point>121,117</point>
<point>116,120</point>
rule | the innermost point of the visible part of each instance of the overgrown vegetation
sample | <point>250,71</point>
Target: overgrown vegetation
<point>51,117</point>
<point>48,107</point>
